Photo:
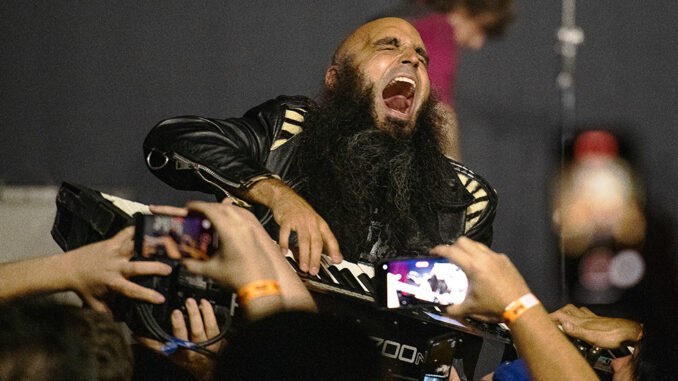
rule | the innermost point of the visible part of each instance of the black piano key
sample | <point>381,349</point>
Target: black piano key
<point>324,275</point>
<point>294,265</point>
<point>351,280</point>
<point>300,272</point>
<point>367,282</point>
<point>337,275</point>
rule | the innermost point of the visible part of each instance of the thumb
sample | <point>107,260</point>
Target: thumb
<point>195,266</point>
<point>97,305</point>
<point>456,310</point>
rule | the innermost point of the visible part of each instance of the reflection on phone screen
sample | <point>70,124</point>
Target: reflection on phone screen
<point>424,281</point>
<point>178,237</point>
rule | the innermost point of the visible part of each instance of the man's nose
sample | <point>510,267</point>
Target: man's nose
<point>410,57</point>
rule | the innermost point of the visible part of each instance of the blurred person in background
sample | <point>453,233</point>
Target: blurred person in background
<point>455,25</point>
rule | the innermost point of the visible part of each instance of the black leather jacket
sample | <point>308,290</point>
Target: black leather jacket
<point>219,155</point>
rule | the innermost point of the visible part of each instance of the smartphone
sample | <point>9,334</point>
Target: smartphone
<point>169,239</point>
<point>173,237</point>
<point>443,355</point>
<point>412,282</point>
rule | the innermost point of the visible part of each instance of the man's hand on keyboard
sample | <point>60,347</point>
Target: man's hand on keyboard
<point>104,267</point>
<point>293,213</point>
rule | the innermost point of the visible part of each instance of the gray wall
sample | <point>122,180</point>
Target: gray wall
<point>81,83</point>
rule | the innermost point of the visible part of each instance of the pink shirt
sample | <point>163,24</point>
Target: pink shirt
<point>438,37</point>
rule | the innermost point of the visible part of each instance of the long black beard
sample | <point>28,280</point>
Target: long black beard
<point>368,185</point>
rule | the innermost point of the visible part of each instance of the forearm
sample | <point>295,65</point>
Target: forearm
<point>547,352</point>
<point>265,191</point>
<point>33,276</point>
<point>263,306</point>
<point>294,293</point>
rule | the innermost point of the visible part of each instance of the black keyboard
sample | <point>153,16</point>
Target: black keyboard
<point>403,336</point>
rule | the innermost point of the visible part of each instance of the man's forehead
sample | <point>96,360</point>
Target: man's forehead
<point>380,29</point>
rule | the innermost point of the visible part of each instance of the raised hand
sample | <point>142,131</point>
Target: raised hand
<point>241,257</point>
<point>203,326</point>
<point>100,268</point>
<point>494,282</point>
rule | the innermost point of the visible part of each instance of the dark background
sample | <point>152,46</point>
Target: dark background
<point>81,83</point>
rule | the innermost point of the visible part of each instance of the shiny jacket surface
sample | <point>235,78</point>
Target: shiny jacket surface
<point>219,155</point>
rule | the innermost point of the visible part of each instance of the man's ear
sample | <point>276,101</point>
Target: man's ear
<point>331,76</point>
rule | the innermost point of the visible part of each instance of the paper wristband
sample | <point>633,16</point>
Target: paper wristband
<point>518,307</point>
<point>256,289</point>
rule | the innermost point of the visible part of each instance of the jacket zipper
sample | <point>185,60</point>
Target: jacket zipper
<point>199,170</point>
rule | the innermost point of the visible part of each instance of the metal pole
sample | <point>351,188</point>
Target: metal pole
<point>569,38</point>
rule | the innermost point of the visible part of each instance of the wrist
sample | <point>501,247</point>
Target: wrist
<point>65,271</point>
<point>266,191</point>
<point>257,289</point>
<point>515,309</point>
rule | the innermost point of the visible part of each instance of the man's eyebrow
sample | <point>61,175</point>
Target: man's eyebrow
<point>394,41</point>
<point>422,52</point>
<point>388,41</point>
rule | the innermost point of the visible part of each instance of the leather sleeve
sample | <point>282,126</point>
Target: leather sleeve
<point>217,155</point>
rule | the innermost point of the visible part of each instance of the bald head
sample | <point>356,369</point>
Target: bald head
<point>361,36</point>
<point>391,58</point>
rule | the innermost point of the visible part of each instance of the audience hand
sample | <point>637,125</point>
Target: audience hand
<point>203,326</point>
<point>494,282</point>
<point>241,257</point>
<point>100,268</point>
<point>600,331</point>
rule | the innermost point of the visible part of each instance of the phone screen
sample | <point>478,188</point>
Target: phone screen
<point>420,281</point>
<point>175,237</point>
<point>442,358</point>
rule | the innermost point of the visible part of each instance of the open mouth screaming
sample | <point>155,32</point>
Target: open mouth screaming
<point>398,96</point>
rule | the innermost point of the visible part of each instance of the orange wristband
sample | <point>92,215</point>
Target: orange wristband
<point>518,307</point>
<point>256,289</point>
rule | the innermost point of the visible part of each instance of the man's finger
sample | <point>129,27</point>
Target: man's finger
<point>304,247</point>
<point>471,246</point>
<point>135,291</point>
<point>284,238</point>
<point>146,268</point>
<point>168,210</point>
<point>456,310</point>
<point>179,325</point>
<point>316,250</point>
<point>197,267</point>
<point>454,254</point>
<point>330,243</point>
<point>127,242</point>
<point>154,345</point>
<point>171,247</point>
<point>126,234</point>
<point>195,321</point>
<point>97,305</point>
<point>209,319</point>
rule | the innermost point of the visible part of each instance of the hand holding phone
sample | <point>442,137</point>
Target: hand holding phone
<point>175,237</point>
<point>494,282</point>
<point>411,282</point>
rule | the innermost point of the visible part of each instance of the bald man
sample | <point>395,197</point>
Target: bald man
<point>361,168</point>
